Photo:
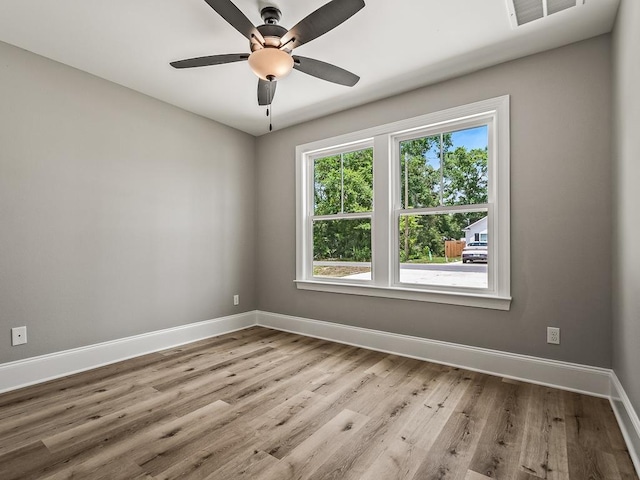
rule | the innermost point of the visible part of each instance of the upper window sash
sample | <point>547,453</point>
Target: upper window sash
<point>309,167</point>
<point>466,208</point>
<point>449,126</point>
<point>483,120</point>
<point>486,119</point>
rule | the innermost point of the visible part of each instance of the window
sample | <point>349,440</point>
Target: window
<point>418,209</point>
<point>342,211</point>
<point>438,173</point>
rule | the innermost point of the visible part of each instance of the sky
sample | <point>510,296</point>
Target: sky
<point>470,138</point>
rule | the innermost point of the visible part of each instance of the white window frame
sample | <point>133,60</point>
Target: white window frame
<point>311,217</point>
<point>386,209</point>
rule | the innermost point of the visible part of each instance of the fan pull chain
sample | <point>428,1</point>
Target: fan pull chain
<point>269,111</point>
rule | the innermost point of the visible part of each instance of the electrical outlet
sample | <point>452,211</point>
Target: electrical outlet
<point>236,299</point>
<point>553,335</point>
<point>18,336</point>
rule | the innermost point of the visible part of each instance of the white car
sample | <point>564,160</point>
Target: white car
<point>475,252</point>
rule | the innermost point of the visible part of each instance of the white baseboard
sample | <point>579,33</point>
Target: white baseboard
<point>596,381</point>
<point>552,373</point>
<point>627,419</point>
<point>39,369</point>
<point>600,382</point>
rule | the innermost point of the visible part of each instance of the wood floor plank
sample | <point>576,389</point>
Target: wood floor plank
<point>246,465</point>
<point>453,450</point>
<point>171,435</point>
<point>616,442</point>
<point>271,405</point>
<point>207,368</point>
<point>29,427</point>
<point>284,427</point>
<point>228,433</point>
<point>121,470</point>
<point>325,409</point>
<point>85,433</point>
<point>471,475</point>
<point>544,447</point>
<point>589,450</point>
<point>395,403</point>
<point>386,445</point>
<point>203,462</point>
<point>439,403</point>
<point>307,457</point>
<point>374,453</point>
<point>39,396</point>
<point>385,366</point>
<point>14,464</point>
<point>498,450</point>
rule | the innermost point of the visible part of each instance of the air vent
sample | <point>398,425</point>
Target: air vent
<point>528,10</point>
<point>525,11</point>
<point>555,6</point>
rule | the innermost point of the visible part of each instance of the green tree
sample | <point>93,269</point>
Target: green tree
<point>465,182</point>
<point>465,176</point>
<point>343,184</point>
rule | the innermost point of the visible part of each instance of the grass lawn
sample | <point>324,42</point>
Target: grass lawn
<point>436,260</point>
<point>331,271</point>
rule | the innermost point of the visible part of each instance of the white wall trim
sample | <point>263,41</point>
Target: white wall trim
<point>627,419</point>
<point>589,380</point>
<point>596,381</point>
<point>22,373</point>
<point>386,210</point>
<point>552,373</point>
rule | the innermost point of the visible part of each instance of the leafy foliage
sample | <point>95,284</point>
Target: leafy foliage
<point>344,184</point>
<point>348,240</point>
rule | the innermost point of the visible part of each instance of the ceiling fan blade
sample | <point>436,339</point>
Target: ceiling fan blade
<point>321,21</point>
<point>266,91</point>
<point>324,71</point>
<point>210,60</point>
<point>234,17</point>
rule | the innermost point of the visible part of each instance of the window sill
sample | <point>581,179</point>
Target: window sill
<point>452,298</point>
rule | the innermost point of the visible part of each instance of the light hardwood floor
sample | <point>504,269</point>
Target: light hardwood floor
<point>262,404</point>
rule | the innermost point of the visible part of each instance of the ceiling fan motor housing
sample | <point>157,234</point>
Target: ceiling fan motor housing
<point>271,34</point>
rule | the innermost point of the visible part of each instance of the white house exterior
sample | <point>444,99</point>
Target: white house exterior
<point>476,232</point>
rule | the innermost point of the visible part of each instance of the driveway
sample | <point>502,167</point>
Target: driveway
<point>456,274</point>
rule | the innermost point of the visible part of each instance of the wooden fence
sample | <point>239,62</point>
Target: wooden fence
<point>453,248</point>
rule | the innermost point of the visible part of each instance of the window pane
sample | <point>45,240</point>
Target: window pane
<point>344,183</point>
<point>358,181</point>
<point>440,249</point>
<point>465,176</point>
<point>327,182</point>
<point>420,172</point>
<point>342,248</point>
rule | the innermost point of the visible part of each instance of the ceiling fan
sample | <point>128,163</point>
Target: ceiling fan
<point>271,45</point>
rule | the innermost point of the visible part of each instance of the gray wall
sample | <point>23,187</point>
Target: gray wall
<point>561,224</point>
<point>119,214</point>
<point>626,324</point>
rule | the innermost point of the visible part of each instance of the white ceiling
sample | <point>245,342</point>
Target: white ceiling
<point>393,46</point>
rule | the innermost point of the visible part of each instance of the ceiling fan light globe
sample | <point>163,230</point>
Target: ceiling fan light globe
<point>268,63</point>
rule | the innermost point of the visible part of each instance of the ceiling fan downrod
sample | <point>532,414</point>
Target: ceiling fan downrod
<point>270,15</point>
